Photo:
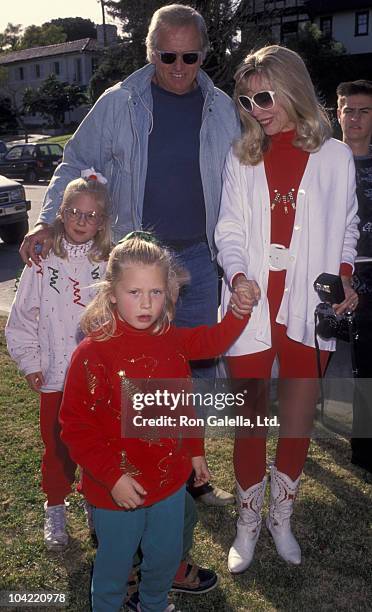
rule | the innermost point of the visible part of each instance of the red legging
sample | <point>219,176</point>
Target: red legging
<point>298,391</point>
<point>57,468</point>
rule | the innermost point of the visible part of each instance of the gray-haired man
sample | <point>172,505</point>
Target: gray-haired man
<point>161,138</point>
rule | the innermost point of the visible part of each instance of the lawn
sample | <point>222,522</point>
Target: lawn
<point>332,521</point>
<point>61,140</point>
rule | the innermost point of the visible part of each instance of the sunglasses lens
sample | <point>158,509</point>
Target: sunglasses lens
<point>245,103</point>
<point>264,100</point>
<point>168,57</point>
<point>190,58</point>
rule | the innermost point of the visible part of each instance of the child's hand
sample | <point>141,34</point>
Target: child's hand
<point>128,493</point>
<point>245,296</point>
<point>35,381</point>
<point>202,474</point>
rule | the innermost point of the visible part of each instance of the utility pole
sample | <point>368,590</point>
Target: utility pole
<point>104,23</point>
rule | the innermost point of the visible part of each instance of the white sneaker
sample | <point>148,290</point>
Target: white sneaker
<point>55,535</point>
<point>169,608</point>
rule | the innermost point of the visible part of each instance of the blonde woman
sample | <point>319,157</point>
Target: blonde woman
<point>288,213</point>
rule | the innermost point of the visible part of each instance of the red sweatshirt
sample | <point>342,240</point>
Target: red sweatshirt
<point>96,384</point>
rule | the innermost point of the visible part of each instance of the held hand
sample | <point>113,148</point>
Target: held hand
<point>202,474</point>
<point>128,493</point>
<point>41,235</point>
<point>245,296</point>
<point>351,298</point>
<point>35,381</point>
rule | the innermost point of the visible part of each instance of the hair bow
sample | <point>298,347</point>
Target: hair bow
<point>145,236</point>
<point>91,175</point>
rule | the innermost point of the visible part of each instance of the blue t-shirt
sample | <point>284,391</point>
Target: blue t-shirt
<point>174,207</point>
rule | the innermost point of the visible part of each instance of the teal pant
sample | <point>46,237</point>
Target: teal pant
<point>158,530</point>
<point>191,518</point>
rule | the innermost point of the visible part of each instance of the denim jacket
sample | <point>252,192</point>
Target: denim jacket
<point>113,139</point>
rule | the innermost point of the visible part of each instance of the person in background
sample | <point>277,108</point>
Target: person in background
<point>161,138</point>
<point>288,214</point>
<point>43,327</point>
<point>354,113</point>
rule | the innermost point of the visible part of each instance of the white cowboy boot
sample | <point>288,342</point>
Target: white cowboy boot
<point>248,528</point>
<point>282,495</point>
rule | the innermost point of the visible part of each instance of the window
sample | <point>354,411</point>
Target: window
<point>77,70</point>
<point>21,73</point>
<point>42,151</point>
<point>361,23</point>
<point>289,31</point>
<point>94,64</point>
<point>326,26</point>
<point>56,69</point>
<point>28,151</point>
<point>37,71</point>
<point>55,149</point>
<point>15,153</point>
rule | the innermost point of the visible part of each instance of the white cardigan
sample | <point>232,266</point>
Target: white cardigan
<point>43,326</point>
<point>325,233</point>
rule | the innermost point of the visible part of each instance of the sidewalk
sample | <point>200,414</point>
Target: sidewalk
<point>19,140</point>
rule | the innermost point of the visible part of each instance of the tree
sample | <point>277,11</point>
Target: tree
<point>232,33</point>
<point>116,63</point>
<point>75,28</point>
<point>324,58</point>
<point>10,37</point>
<point>8,119</point>
<point>49,33</point>
<point>53,99</point>
<point>11,92</point>
<point>41,36</point>
<point>224,19</point>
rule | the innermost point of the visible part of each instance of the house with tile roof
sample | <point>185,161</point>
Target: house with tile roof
<point>72,62</point>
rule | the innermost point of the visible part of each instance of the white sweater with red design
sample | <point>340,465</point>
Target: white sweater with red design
<point>43,326</point>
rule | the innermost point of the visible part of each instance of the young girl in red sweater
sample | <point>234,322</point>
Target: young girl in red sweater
<point>136,485</point>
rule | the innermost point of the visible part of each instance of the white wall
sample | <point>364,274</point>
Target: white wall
<point>343,30</point>
<point>67,73</point>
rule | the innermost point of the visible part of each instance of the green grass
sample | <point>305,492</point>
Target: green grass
<point>332,521</point>
<point>61,140</point>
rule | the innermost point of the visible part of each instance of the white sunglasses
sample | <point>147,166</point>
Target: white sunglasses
<point>262,99</point>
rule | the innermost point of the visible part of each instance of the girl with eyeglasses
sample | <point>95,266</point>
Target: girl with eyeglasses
<point>288,213</point>
<point>43,327</point>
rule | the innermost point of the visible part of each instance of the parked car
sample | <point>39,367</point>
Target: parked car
<point>31,161</point>
<point>3,149</point>
<point>13,211</point>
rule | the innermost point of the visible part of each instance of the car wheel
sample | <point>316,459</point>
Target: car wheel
<point>14,232</point>
<point>31,176</point>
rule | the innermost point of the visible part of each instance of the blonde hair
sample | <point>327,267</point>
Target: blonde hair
<point>138,248</point>
<point>175,16</point>
<point>101,246</point>
<point>288,76</point>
